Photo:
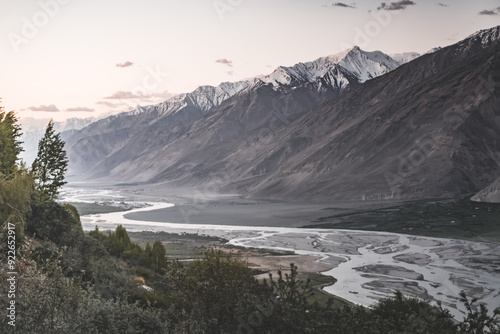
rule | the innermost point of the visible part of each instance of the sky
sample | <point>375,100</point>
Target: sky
<point>87,58</point>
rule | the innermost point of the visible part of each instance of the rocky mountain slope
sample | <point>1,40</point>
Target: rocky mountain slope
<point>490,194</point>
<point>428,128</point>
<point>110,146</point>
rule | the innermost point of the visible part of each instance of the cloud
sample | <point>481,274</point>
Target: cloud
<point>123,95</point>
<point>119,95</point>
<point>396,5</point>
<point>125,64</point>
<point>230,72</point>
<point>225,62</point>
<point>341,4</point>
<point>488,12</point>
<point>163,95</point>
<point>80,109</point>
<point>49,108</point>
<point>442,4</point>
<point>111,104</point>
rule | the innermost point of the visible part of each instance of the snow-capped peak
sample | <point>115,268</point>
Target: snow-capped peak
<point>361,64</point>
<point>367,65</point>
<point>486,36</point>
<point>337,70</point>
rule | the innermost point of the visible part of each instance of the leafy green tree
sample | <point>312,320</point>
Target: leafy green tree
<point>148,255</point>
<point>478,321</point>
<point>52,221</point>
<point>210,295</point>
<point>10,146</point>
<point>159,256</point>
<point>16,184</point>
<point>287,304</point>
<point>50,165</point>
<point>401,314</point>
<point>119,241</point>
<point>74,212</point>
<point>15,196</point>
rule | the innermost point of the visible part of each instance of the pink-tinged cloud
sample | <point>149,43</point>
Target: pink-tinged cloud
<point>80,109</point>
<point>49,108</point>
<point>111,104</point>
<point>488,12</point>
<point>344,5</point>
<point>125,64</point>
<point>396,5</point>
<point>225,61</point>
<point>123,95</point>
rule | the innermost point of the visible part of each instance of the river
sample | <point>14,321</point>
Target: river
<point>367,265</point>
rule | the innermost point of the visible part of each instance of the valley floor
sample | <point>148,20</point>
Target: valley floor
<point>367,265</point>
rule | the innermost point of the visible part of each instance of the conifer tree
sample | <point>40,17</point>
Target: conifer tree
<point>50,165</point>
<point>159,255</point>
<point>16,183</point>
<point>10,146</point>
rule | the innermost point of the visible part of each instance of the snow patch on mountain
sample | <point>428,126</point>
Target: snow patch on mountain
<point>485,36</point>
<point>405,57</point>
<point>335,68</point>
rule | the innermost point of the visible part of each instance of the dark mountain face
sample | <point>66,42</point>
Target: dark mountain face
<point>390,139</point>
<point>430,128</point>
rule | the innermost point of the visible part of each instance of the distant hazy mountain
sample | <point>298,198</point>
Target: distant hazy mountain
<point>321,130</point>
<point>405,57</point>
<point>33,130</point>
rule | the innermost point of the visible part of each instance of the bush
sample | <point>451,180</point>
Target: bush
<point>52,303</point>
<point>51,221</point>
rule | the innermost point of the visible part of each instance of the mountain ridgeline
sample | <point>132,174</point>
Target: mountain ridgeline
<point>356,125</point>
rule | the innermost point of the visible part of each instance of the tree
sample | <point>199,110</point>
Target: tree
<point>211,293</point>
<point>478,320</point>
<point>16,183</point>
<point>52,221</point>
<point>159,255</point>
<point>10,146</point>
<point>15,196</point>
<point>50,165</point>
<point>119,241</point>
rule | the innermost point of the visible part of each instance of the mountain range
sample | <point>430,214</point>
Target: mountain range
<point>355,125</point>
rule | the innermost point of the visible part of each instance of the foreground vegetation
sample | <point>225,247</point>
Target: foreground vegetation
<point>103,283</point>
<point>62,280</point>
